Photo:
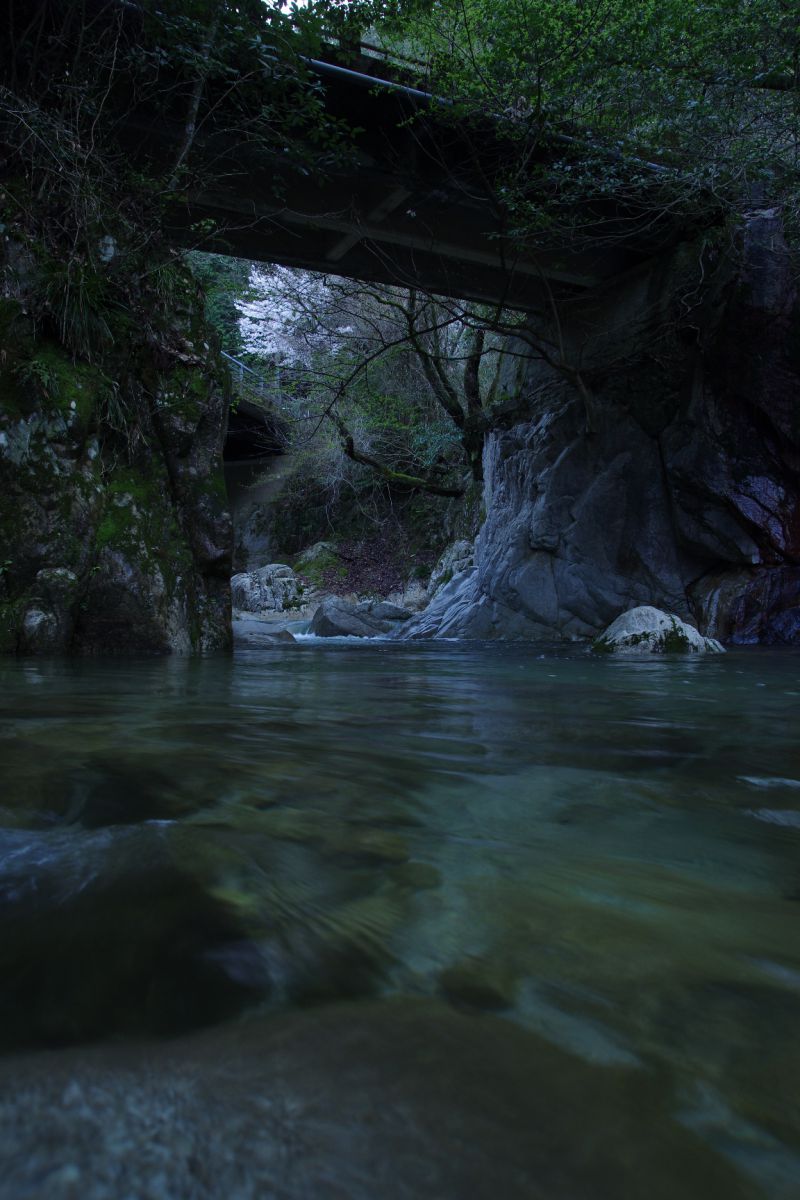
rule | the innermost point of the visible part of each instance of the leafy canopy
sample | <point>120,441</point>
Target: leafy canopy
<point>709,91</point>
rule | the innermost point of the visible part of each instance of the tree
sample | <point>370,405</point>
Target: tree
<point>84,84</point>
<point>225,283</point>
<point>411,383</point>
<point>669,102</point>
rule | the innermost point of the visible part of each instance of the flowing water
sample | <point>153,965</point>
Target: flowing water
<point>583,873</point>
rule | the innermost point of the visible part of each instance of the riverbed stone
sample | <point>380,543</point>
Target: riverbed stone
<point>648,630</point>
<point>418,876</point>
<point>477,983</point>
<point>392,1099</point>
<point>109,931</point>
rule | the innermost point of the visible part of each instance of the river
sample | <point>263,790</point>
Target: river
<point>529,920</point>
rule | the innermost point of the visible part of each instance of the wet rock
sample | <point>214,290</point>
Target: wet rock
<point>254,629</point>
<point>336,618</point>
<point>383,610</point>
<point>647,630</point>
<point>395,1099</point>
<point>274,588</point>
<point>278,637</point>
<point>417,876</point>
<point>339,618</point>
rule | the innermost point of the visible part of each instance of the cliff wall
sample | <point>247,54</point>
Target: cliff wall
<point>114,532</point>
<point>670,477</point>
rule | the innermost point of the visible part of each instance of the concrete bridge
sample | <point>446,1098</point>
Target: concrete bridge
<point>414,206</point>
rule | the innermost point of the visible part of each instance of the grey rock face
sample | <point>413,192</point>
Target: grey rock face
<point>648,630</point>
<point>274,588</point>
<point>458,557</point>
<point>760,604</point>
<point>673,485</point>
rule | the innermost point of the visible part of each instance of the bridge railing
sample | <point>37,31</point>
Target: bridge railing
<point>276,389</point>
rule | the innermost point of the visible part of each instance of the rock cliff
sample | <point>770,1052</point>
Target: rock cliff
<point>669,479</point>
<point>114,533</point>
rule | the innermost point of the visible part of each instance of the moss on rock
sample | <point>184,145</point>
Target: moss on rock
<point>110,470</point>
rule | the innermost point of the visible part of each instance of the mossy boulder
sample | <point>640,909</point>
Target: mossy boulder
<point>648,630</point>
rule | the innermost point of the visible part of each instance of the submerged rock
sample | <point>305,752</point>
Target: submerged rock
<point>647,630</point>
<point>476,983</point>
<point>112,931</point>
<point>397,1100</point>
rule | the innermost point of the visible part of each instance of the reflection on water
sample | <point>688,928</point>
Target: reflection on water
<point>602,854</point>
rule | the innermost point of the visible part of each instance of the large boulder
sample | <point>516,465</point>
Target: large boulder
<point>337,617</point>
<point>274,588</point>
<point>648,630</point>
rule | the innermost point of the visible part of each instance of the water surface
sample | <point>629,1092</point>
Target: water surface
<point>598,857</point>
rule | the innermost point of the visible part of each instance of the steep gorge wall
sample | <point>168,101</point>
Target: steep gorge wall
<point>114,531</point>
<point>678,488</point>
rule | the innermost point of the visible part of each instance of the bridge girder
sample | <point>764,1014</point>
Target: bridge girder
<point>414,206</point>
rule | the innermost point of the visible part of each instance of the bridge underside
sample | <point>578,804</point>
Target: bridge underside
<point>414,206</point>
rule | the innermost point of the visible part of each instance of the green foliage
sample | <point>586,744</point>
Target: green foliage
<point>39,374</point>
<point>709,92</point>
<point>225,283</point>
<point>72,78</point>
<point>75,295</point>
